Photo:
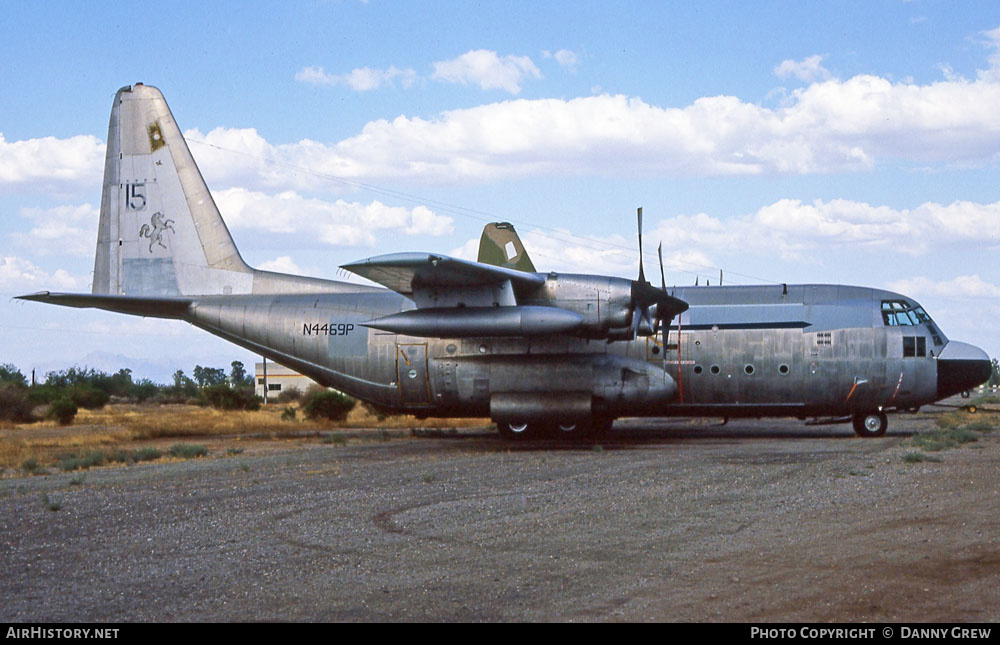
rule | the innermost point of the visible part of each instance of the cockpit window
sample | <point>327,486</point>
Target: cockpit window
<point>901,313</point>
<point>897,313</point>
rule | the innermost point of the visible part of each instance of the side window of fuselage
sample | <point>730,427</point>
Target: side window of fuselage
<point>914,346</point>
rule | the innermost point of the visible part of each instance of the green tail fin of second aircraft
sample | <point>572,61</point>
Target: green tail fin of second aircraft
<point>500,246</point>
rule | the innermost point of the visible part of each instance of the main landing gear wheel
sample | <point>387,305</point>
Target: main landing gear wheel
<point>568,430</point>
<point>575,430</point>
<point>870,425</point>
<point>515,431</point>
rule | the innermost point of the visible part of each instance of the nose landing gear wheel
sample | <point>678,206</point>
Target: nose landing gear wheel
<point>870,425</point>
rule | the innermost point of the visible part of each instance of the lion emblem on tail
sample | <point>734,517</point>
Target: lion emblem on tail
<point>155,229</point>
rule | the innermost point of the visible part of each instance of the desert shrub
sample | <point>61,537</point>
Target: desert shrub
<point>327,404</point>
<point>224,397</point>
<point>288,414</point>
<point>14,404</point>
<point>121,456</point>
<point>143,390</point>
<point>87,460</point>
<point>943,439</point>
<point>62,410</point>
<point>949,421</point>
<point>337,438</point>
<point>917,457</point>
<point>981,425</point>
<point>146,453</point>
<point>45,394</point>
<point>88,397</point>
<point>51,504</point>
<point>378,412</point>
<point>187,450</point>
<point>290,395</point>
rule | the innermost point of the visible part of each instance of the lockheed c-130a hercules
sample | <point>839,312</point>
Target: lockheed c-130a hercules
<point>451,337</point>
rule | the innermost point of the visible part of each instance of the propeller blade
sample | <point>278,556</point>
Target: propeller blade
<point>642,275</point>
<point>659,252</point>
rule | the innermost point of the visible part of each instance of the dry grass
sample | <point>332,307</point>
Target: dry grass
<point>14,452</point>
<point>127,426</point>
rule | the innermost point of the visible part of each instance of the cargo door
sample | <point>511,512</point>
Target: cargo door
<point>411,374</point>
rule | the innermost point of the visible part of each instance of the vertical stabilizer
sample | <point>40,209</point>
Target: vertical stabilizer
<point>500,246</point>
<point>160,232</point>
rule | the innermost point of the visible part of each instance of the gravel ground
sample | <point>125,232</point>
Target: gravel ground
<point>673,520</point>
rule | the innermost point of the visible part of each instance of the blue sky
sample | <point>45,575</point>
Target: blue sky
<point>846,142</point>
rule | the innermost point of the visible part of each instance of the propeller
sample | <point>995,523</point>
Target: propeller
<point>645,296</point>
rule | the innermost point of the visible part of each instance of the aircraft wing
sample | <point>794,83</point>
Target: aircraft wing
<point>409,273</point>
<point>460,298</point>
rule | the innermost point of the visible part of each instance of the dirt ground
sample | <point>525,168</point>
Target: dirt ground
<point>669,520</point>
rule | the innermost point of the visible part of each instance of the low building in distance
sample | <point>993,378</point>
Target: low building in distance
<point>279,379</point>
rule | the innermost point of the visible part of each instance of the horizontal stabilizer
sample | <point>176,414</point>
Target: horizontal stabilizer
<point>480,321</point>
<point>136,305</point>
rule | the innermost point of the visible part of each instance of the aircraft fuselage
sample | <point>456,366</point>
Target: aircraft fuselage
<point>795,350</point>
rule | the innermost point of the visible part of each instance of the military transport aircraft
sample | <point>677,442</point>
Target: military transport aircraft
<point>533,351</point>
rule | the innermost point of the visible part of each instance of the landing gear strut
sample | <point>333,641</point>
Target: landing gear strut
<point>873,424</point>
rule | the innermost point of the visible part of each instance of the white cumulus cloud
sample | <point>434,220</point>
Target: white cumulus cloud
<point>339,223</point>
<point>807,70</point>
<point>48,163</point>
<point>565,58</point>
<point>62,230</point>
<point>791,228</point>
<point>965,286</point>
<point>827,126</point>
<point>830,126</point>
<point>361,79</point>
<point>281,264</point>
<point>18,275</point>
<point>487,70</point>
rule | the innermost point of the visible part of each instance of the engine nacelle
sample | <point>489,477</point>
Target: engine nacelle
<point>556,387</point>
<point>605,303</point>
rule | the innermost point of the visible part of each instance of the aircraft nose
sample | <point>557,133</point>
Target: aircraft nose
<point>960,367</point>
